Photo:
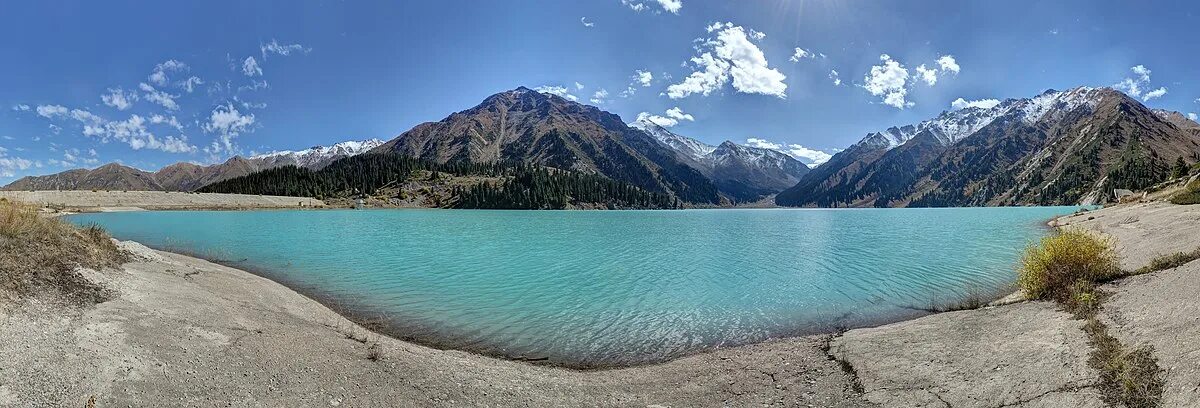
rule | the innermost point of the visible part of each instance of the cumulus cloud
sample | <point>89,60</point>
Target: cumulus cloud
<point>586,23</point>
<point>274,47</point>
<point>250,67</point>
<point>600,97</point>
<point>890,79</point>
<point>159,75</point>
<point>670,6</point>
<point>20,107</point>
<point>643,77</point>
<point>227,123</point>
<point>52,111</point>
<point>961,103</point>
<point>730,55</point>
<point>119,98</point>
<point>799,152</point>
<point>800,54</point>
<point>160,97</point>
<point>191,83</point>
<point>1136,85</point>
<point>1192,116</point>
<point>561,91</point>
<point>10,165</point>
<point>670,118</point>
<point>833,76</point>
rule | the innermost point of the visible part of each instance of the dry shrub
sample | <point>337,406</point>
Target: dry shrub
<point>1051,268</point>
<point>1189,195</point>
<point>39,255</point>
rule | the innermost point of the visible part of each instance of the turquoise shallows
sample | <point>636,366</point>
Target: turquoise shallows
<point>600,288</point>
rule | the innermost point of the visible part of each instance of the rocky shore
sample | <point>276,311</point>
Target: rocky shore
<point>185,332</point>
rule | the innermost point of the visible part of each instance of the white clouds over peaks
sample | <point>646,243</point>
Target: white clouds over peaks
<point>804,154</point>
<point>672,117</point>
<point>1192,116</point>
<point>732,54</point>
<point>119,98</point>
<point>226,122</point>
<point>250,67</point>
<point>961,103</point>
<point>600,97</point>
<point>562,92</point>
<point>890,80</point>
<point>1136,86</point>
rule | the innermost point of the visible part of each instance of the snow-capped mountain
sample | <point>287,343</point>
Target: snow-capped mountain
<point>951,126</point>
<point>315,157</point>
<point>1059,147</point>
<point>741,172</point>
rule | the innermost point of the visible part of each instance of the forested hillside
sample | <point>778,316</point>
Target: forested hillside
<point>476,185</point>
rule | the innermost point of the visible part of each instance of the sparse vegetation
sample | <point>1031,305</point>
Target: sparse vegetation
<point>39,255</point>
<point>1169,261</point>
<point>1054,268</point>
<point>1067,267</point>
<point>1189,195</point>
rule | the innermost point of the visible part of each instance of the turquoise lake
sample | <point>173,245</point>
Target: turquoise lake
<point>603,288</point>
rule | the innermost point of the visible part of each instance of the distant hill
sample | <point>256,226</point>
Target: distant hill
<point>1060,147</point>
<point>743,173</point>
<point>525,126</point>
<point>187,176</point>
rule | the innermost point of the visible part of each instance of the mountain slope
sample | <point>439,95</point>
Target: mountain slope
<point>743,173</point>
<point>526,126</point>
<point>186,176</point>
<point>1056,148</point>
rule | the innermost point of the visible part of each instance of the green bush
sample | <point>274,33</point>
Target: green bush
<point>1052,268</point>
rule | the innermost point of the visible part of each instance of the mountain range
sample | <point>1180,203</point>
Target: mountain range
<point>1060,147</point>
<point>186,176</point>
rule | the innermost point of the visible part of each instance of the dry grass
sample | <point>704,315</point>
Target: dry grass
<point>1169,261</point>
<point>39,255</point>
<point>1061,260</point>
<point>1127,378</point>
<point>1189,195</point>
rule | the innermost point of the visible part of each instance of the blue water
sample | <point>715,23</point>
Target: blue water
<point>598,288</point>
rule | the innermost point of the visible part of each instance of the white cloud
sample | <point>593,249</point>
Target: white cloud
<point>191,83</point>
<point>274,47</point>
<point>671,6</point>
<point>586,23</point>
<point>600,97</point>
<point>166,120</point>
<point>254,86</point>
<point>50,111</point>
<point>119,98</point>
<point>1157,93</point>
<point>731,55</point>
<point>562,92</point>
<point>20,107</point>
<point>1192,116</point>
<point>801,53</point>
<point>579,86</point>
<point>888,80</point>
<point>227,123</point>
<point>159,75</point>
<point>1135,86</point>
<point>643,77</point>
<point>833,76</point>
<point>250,67</point>
<point>160,97</point>
<point>10,165</point>
<point>926,74</point>
<point>948,64</point>
<point>799,152</point>
<point>961,103</point>
<point>672,118</point>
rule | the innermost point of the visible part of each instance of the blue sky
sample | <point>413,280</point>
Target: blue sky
<point>81,85</point>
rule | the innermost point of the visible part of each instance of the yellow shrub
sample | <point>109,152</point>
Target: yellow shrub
<point>1050,268</point>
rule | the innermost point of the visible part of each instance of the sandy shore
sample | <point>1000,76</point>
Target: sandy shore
<point>186,332</point>
<point>153,200</point>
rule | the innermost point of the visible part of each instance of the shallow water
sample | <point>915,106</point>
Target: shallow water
<point>599,288</point>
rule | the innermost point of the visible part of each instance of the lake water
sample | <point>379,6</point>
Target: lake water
<point>600,288</point>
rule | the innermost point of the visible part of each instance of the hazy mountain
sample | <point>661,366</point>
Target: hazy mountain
<point>743,173</point>
<point>185,176</point>
<point>1055,148</point>
<point>523,125</point>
